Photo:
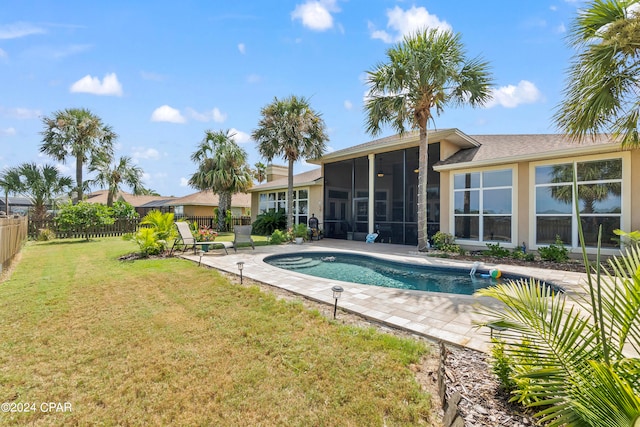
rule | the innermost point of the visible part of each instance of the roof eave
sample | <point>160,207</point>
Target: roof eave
<point>406,140</point>
<point>567,152</point>
<point>317,181</point>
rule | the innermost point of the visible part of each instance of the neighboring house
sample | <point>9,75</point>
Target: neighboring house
<point>142,204</point>
<point>203,203</point>
<point>507,189</point>
<point>17,205</point>
<point>272,195</point>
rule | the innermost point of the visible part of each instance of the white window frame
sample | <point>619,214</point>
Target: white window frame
<point>281,201</point>
<point>514,205</point>
<point>625,198</point>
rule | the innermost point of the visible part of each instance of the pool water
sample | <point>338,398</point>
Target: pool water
<point>368,270</point>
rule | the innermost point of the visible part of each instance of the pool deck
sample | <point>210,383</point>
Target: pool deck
<point>447,317</point>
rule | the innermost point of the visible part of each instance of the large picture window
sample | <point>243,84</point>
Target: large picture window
<point>482,203</point>
<point>277,200</point>
<point>599,185</point>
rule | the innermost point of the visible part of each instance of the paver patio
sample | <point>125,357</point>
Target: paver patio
<point>440,316</point>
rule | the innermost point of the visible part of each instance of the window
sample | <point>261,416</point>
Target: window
<point>482,203</point>
<point>599,201</point>
<point>278,200</point>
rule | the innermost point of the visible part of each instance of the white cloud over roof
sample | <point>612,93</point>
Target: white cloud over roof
<point>109,86</point>
<point>401,23</point>
<point>316,15</point>
<point>167,114</point>
<point>511,96</point>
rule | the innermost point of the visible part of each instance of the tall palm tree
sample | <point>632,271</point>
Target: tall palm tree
<point>222,168</point>
<point>292,129</point>
<point>601,94</point>
<point>10,183</point>
<point>112,176</point>
<point>260,172</point>
<point>80,134</point>
<point>425,72</point>
<point>42,185</point>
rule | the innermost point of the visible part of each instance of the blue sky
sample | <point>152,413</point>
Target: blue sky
<point>161,73</point>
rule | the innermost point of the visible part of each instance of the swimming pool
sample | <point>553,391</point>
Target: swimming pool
<point>356,268</point>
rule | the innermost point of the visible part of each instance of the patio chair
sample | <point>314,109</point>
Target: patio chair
<point>187,240</point>
<point>242,234</point>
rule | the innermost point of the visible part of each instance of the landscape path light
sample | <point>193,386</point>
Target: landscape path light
<point>240,265</point>
<point>200,253</point>
<point>337,290</point>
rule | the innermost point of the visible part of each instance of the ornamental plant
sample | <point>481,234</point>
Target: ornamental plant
<point>205,235</point>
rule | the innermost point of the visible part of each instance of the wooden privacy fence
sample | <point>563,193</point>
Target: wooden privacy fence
<point>13,233</point>
<point>120,227</point>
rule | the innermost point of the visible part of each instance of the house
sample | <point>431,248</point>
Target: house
<point>509,189</point>
<point>203,203</point>
<point>17,205</point>
<point>143,204</point>
<point>272,195</point>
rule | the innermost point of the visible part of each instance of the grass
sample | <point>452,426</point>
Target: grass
<point>163,342</point>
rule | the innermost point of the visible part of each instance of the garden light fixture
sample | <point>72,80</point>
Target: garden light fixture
<point>240,265</point>
<point>337,290</point>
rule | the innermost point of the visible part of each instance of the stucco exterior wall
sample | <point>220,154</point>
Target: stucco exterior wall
<point>635,196</point>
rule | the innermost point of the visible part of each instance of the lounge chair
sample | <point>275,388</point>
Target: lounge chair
<point>187,240</point>
<point>242,234</point>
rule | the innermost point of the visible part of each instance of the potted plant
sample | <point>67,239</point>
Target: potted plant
<point>205,235</point>
<point>300,233</point>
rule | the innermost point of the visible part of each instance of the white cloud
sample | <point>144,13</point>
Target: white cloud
<point>3,53</point>
<point>145,153</point>
<point>152,76</point>
<point>8,132</point>
<point>108,86</point>
<point>20,113</point>
<point>316,15</point>
<point>511,96</point>
<point>19,29</point>
<point>240,137</point>
<point>216,115</point>
<point>167,114</point>
<point>406,22</point>
<point>242,48</point>
<point>348,105</point>
<point>184,182</point>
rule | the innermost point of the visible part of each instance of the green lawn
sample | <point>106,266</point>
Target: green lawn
<point>163,342</point>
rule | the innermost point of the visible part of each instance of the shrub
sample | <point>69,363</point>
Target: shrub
<point>82,217</point>
<point>278,237</point>
<point>501,366</point>
<point>268,222</point>
<point>46,234</point>
<point>301,230</point>
<point>147,241</point>
<point>496,251</point>
<point>555,252</point>
<point>155,236</point>
<point>445,242</point>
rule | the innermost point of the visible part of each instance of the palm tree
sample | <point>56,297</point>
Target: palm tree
<point>601,94</point>
<point>222,168</point>
<point>292,129</point>
<point>80,134</point>
<point>113,175</point>
<point>427,70</point>
<point>42,185</point>
<point>260,172</point>
<point>10,183</point>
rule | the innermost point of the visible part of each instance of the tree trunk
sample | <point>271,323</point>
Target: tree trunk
<point>290,195</point>
<point>224,199</point>
<point>423,234</point>
<point>79,179</point>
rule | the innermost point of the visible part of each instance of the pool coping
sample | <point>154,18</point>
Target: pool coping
<point>451,318</point>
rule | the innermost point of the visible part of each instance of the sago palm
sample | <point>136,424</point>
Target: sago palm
<point>424,73</point>
<point>80,134</point>
<point>576,354</point>
<point>291,129</point>
<point>602,87</point>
